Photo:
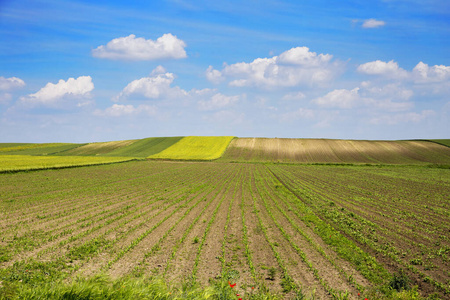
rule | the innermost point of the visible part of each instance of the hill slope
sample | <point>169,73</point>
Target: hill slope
<point>145,147</point>
<point>196,148</point>
<point>94,149</point>
<point>336,151</point>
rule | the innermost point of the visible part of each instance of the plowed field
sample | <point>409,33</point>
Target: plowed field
<point>336,151</point>
<point>333,231</point>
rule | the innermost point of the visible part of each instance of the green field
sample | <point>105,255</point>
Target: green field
<point>187,230</point>
<point>37,149</point>
<point>145,147</point>
<point>294,219</point>
<point>195,148</point>
<point>13,163</point>
<point>442,142</point>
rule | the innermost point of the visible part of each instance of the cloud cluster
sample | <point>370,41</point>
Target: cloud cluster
<point>388,69</point>
<point>295,67</point>
<point>158,86</point>
<point>217,101</point>
<point>340,98</point>
<point>167,46</point>
<point>9,84</point>
<point>53,95</point>
<point>155,86</point>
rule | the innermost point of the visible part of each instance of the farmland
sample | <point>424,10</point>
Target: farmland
<point>13,163</point>
<point>324,232</point>
<point>196,148</point>
<point>336,151</point>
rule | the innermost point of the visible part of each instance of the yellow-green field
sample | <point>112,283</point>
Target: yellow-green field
<point>196,148</point>
<point>10,163</point>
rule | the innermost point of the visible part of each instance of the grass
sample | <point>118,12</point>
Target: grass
<point>145,147</point>
<point>13,163</point>
<point>196,148</point>
<point>445,142</point>
<point>36,149</point>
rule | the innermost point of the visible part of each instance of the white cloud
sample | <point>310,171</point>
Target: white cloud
<point>373,23</point>
<point>118,110</point>
<point>302,56</point>
<point>7,84</point>
<point>297,66</point>
<point>213,76</point>
<point>158,85</point>
<point>390,97</point>
<point>217,101</point>
<point>339,98</point>
<point>388,69</point>
<point>51,94</point>
<point>167,46</point>
<point>422,73</point>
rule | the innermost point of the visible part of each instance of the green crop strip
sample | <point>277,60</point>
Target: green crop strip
<point>188,230</point>
<point>364,263</point>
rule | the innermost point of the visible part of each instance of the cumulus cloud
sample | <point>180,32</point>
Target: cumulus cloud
<point>7,84</point>
<point>51,94</point>
<point>217,101</point>
<point>427,79</point>
<point>388,69</point>
<point>297,66</point>
<point>157,85</point>
<point>390,97</point>
<point>422,73</point>
<point>341,98</point>
<point>213,76</point>
<point>119,110</point>
<point>373,23</point>
<point>167,46</point>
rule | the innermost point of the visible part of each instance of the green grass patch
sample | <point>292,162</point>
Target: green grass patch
<point>145,147</point>
<point>37,149</point>
<point>196,148</point>
<point>445,142</point>
<point>13,163</point>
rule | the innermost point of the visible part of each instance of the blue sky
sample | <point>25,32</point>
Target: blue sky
<point>84,71</point>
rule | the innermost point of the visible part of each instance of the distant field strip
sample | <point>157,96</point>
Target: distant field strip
<point>36,149</point>
<point>94,149</point>
<point>145,147</point>
<point>196,148</point>
<point>442,142</point>
<point>336,151</point>
<point>10,163</point>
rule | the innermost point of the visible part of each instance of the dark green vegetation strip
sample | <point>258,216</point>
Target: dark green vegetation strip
<point>445,142</point>
<point>43,149</point>
<point>145,147</point>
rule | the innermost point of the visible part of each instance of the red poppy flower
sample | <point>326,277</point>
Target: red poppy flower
<point>232,285</point>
